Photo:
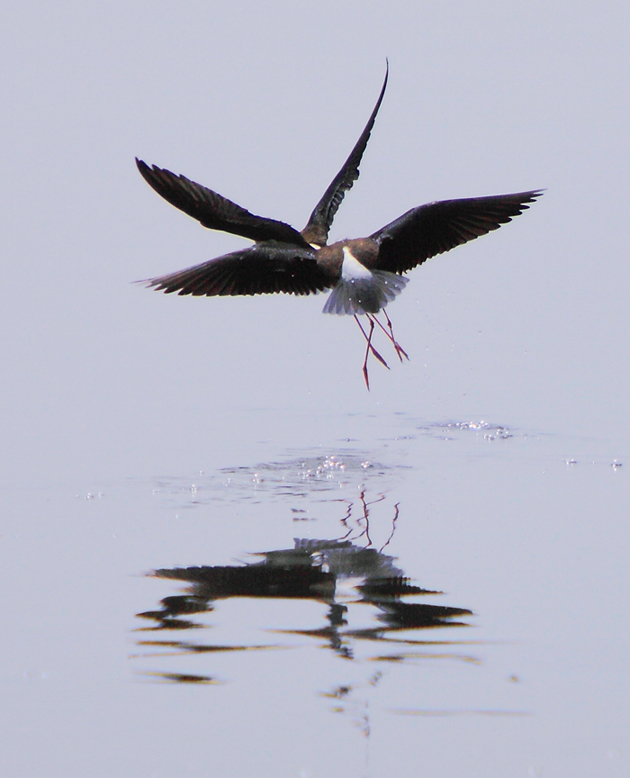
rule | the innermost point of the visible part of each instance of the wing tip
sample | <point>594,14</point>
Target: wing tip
<point>142,165</point>
<point>525,199</point>
<point>157,284</point>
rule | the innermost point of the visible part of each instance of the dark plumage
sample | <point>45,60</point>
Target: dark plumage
<point>364,274</point>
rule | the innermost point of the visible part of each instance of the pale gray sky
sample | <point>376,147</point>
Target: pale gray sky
<point>262,102</point>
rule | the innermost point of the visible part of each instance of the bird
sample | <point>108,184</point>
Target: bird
<point>363,274</point>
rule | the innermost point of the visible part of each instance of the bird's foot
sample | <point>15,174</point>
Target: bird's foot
<point>400,351</point>
<point>369,349</point>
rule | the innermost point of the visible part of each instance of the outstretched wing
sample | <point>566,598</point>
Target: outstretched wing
<point>264,268</point>
<point>434,228</point>
<point>316,231</point>
<point>213,210</point>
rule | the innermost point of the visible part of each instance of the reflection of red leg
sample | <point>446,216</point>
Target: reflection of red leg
<point>400,351</point>
<point>369,348</point>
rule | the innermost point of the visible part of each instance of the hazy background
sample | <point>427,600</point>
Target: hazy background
<point>108,386</point>
<point>262,102</point>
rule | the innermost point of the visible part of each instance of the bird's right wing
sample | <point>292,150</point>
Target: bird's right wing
<point>437,227</point>
<point>213,210</point>
<point>264,268</point>
<point>318,227</point>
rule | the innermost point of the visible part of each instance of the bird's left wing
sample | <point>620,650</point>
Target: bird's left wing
<point>213,210</point>
<point>264,268</point>
<point>437,227</point>
<point>320,221</point>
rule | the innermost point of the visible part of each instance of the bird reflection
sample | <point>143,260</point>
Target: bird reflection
<point>348,578</point>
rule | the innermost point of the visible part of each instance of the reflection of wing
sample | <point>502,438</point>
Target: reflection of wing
<point>213,210</point>
<point>261,269</point>
<point>316,231</point>
<point>438,227</point>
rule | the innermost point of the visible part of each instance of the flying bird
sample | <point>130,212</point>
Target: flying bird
<point>365,274</point>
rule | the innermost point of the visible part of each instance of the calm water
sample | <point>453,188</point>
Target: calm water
<point>441,597</point>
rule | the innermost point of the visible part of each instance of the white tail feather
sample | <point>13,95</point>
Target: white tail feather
<point>366,294</point>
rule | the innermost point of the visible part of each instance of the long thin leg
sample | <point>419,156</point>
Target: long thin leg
<point>372,319</point>
<point>400,351</point>
<point>369,348</point>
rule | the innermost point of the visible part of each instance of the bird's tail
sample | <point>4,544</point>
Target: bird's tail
<point>367,294</point>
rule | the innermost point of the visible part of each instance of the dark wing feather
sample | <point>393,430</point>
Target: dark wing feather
<point>316,231</point>
<point>438,227</point>
<point>260,269</point>
<point>213,210</point>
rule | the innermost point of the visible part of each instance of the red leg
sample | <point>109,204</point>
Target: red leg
<point>373,319</point>
<point>369,348</point>
<point>400,351</point>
